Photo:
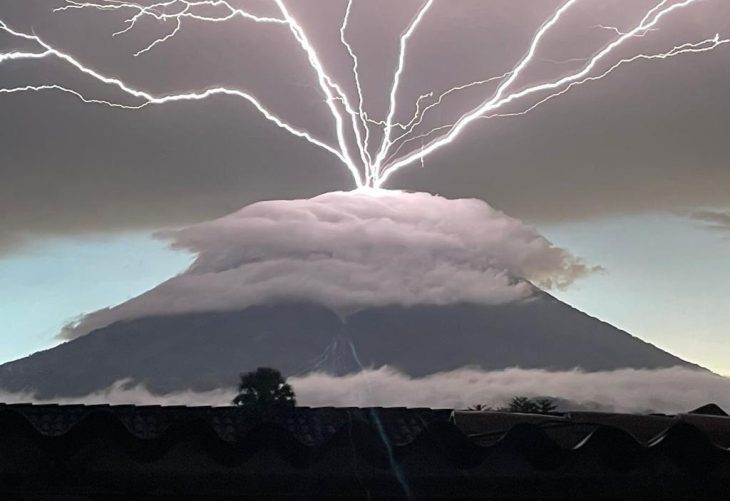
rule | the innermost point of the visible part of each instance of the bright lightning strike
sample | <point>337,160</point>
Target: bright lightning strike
<point>500,98</point>
<point>353,126</point>
<point>387,143</point>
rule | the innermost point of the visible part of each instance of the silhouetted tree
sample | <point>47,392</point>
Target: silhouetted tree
<point>264,388</point>
<point>530,406</point>
<point>545,405</point>
<point>480,407</point>
<point>521,404</point>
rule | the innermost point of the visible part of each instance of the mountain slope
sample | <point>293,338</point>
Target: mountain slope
<point>202,351</point>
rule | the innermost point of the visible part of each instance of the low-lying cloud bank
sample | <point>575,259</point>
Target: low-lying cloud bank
<point>627,390</point>
<point>351,251</point>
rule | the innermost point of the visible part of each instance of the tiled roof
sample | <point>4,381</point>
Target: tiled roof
<point>309,426</point>
<point>351,452</point>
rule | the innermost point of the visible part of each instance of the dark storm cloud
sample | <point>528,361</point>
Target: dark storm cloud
<point>714,220</point>
<point>651,136</point>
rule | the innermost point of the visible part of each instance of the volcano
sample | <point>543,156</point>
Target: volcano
<point>338,283</point>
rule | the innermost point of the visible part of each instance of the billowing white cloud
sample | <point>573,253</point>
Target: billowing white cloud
<point>350,251</point>
<point>125,392</point>
<point>627,390</point>
<point>669,390</point>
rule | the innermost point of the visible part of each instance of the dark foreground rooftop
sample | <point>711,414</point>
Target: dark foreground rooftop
<point>76,452</point>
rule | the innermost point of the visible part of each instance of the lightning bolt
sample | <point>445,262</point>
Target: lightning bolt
<point>380,427</point>
<point>328,86</point>
<point>619,32</point>
<point>386,142</point>
<point>687,48</point>
<point>418,117</point>
<point>158,12</point>
<point>501,98</point>
<point>352,126</point>
<point>356,76</point>
<point>146,97</point>
<point>11,56</point>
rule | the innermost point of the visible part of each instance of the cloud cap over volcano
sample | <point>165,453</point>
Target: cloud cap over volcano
<point>351,251</point>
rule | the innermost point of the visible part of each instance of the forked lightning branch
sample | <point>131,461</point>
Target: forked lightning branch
<point>371,148</point>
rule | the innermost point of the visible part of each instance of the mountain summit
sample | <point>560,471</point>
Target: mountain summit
<point>338,283</point>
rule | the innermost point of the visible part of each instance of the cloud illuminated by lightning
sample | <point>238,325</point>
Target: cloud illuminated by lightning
<point>352,124</point>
